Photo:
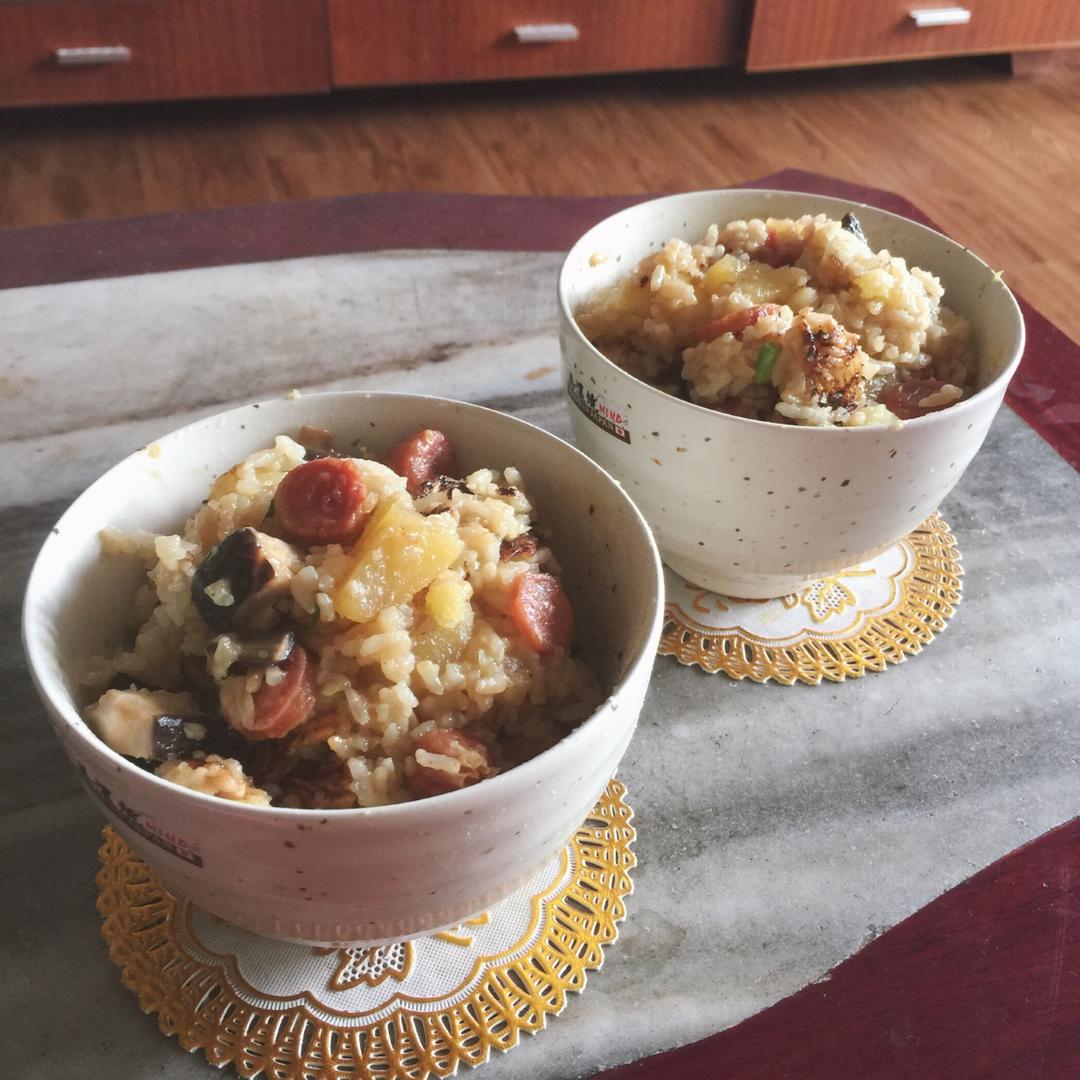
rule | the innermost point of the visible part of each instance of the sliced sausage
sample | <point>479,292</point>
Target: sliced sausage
<point>542,612</point>
<point>278,709</point>
<point>735,322</point>
<point>776,252</point>
<point>905,399</point>
<point>422,457</point>
<point>321,502</point>
<point>472,758</point>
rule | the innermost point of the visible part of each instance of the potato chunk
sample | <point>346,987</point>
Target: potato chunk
<point>441,645</point>
<point>400,553</point>
<point>448,600</point>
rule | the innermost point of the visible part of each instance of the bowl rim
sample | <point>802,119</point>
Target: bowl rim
<point>1000,381</point>
<point>57,699</point>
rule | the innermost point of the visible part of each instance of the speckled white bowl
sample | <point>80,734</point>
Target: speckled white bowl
<point>756,509</point>
<point>370,875</point>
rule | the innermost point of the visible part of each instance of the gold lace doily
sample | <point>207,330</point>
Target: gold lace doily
<point>840,627</point>
<point>399,1012</point>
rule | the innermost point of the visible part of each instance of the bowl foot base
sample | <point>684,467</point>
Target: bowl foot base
<point>744,585</point>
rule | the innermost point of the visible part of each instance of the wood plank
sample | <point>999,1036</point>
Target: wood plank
<point>1044,63</point>
<point>989,157</point>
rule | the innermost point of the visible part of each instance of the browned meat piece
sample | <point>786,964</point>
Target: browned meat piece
<point>830,361</point>
<point>525,544</point>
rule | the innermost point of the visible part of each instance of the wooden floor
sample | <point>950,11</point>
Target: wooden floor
<point>994,159</point>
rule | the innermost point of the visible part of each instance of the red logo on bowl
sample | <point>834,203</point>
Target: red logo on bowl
<point>139,822</point>
<point>613,421</point>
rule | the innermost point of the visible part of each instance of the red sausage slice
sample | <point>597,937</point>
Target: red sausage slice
<point>542,612</point>
<point>473,758</point>
<point>321,502</point>
<point>422,457</point>
<point>903,399</point>
<point>776,252</point>
<point>736,322</point>
<point>281,708</point>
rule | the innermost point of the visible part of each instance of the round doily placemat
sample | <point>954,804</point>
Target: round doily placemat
<point>399,1012</point>
<point>840,627</point>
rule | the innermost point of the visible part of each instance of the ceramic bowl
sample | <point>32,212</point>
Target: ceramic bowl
<point>368,874</point>
<point>756,509</point>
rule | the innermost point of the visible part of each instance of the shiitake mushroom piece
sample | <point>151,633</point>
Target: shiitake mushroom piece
<point>238,582</point>
<point>174,737</point>
<point>251,651</point>
<point>850,223</point>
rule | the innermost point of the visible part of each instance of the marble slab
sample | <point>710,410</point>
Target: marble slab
<point>780,828</point>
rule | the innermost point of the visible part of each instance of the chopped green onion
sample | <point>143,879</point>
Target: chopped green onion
<point>766,361</point>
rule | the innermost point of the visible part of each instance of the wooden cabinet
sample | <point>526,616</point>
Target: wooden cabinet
<point>418,41</point>
<point>57,51</point>
<point>792,34</point>
<point>159,49</point>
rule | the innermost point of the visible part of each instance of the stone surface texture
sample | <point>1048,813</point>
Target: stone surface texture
<point>780,828</point>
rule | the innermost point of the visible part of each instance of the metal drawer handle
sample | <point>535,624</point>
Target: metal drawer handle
<point>93,54</point>
<point>542,33</point>
<point>942,16</point>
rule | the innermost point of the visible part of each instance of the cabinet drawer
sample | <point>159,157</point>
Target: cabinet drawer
<point>174,49</point>
<point>800,35</point>
<point>412,41</point>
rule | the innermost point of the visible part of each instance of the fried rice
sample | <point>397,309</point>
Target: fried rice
<point>792,321</point>
<point>421,670</point>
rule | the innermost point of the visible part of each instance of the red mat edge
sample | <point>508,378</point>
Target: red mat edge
<point>983,982</point>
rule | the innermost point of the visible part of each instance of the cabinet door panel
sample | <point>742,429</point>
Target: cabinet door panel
<point>160,49</point>
<point>417,41</point>
<point>787,34</point>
